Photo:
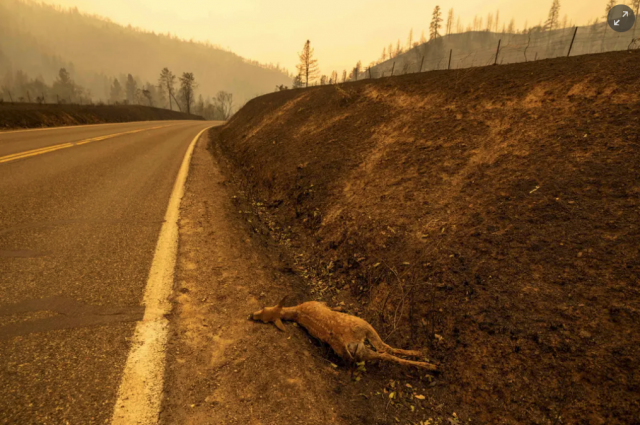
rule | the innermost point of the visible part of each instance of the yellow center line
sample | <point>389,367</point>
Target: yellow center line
<point>39,151</point>
<point>34,152</point>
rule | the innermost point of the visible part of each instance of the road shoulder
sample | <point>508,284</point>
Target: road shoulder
<point>221,367</point>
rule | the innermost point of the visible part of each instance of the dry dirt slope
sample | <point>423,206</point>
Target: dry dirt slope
<point>490,214</point>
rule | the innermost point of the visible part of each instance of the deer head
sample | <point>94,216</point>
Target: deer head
<point>271,314</point>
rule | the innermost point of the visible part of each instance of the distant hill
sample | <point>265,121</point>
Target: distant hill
<point>40,39</point>
<point>478,48</point>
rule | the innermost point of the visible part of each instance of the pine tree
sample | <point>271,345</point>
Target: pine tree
<point>187,89</point>
<point>423,39</point>
<point>131,87</point>
<point>116,91</point>
<point>497,19</point>
<point>512,26</point>
<point>64,87</point>
<point>436,20</point>
<point>168,81</point>
<point>297,82</point>
<point>554,16</point>
<point>384,55</point>
<point>308,66</point>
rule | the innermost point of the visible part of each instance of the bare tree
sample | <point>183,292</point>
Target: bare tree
<point>553,20</point>
<point>146,93</point>
<point>187,89</point>
<point>308,66</point>
<point>635,4</point>
<point>344,75</point>
<point>489,22</point>
<point>224,103</point>
<point>410,40</point>
<point>610,5</point>
<point>450,21</point>
<point>356,70</point>
<point>167,81</point>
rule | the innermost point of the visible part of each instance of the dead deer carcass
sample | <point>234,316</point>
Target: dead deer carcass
<point>345,334</point>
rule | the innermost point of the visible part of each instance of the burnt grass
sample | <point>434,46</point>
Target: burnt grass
<point>489,215</point>
<point>31,115</point>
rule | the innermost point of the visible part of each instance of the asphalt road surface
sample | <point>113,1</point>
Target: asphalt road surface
<point>80,213</point>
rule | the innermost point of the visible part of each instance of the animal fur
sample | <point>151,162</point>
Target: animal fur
<point>345,334</point>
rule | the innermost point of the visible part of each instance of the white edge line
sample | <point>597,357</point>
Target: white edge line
<point>140,393</point>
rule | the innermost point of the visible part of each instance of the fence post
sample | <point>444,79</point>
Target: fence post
<point>571,45</point>
<point>450,53</point>
<point>421,63</point>
<point>497,52</point>
<point>392,68</point>
<point>369,72</point>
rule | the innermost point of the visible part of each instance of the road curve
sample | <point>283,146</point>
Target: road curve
<point>78,229</point>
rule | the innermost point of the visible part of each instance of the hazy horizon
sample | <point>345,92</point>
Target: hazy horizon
<point>341,33</point>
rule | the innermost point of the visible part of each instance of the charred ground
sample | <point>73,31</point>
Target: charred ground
<point>488,214</point>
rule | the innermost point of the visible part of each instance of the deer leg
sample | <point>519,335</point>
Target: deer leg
<point>381,347</point>
<point>367,354</point>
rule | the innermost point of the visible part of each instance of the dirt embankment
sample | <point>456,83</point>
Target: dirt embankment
<point>491,215</point>
<point>28,115</point>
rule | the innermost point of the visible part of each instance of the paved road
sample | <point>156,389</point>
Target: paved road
<point>80,214</point>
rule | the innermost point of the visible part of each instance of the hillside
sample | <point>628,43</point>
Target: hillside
<point>24,115</point>
<point>487,214</point>
<point>40,39</point>
<point>478,48</point>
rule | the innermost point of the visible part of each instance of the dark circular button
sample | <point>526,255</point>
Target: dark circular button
<point>621,18</point>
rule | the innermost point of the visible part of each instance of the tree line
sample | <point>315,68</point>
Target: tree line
<point>171,92</point>
<point>308,72</point>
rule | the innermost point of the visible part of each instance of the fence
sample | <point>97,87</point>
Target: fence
<point>480,48</point>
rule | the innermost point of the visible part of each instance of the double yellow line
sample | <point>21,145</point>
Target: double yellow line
<point>48,149</point>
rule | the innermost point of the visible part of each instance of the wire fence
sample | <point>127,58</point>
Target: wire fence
<point>481,48</point>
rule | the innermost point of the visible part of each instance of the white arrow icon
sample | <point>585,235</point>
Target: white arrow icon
<point>625,14</point>
<point>616,23</point>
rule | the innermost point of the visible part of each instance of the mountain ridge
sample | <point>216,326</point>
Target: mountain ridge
<point>39,39</point>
